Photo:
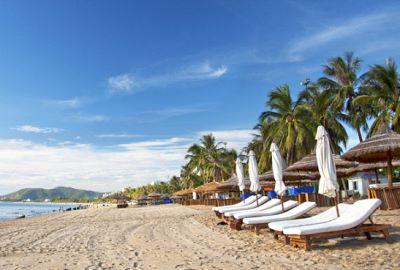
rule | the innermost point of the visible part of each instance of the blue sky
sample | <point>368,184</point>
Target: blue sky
<point>102,95</point>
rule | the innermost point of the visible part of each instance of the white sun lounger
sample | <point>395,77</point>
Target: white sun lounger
<point>272,211</point>
<point>325,216</point>
<point>265,206</point>
<point>350,222</point>
<point>277,209</point>
<point>293,213</point>
<point>246,201</point>
<point>254,204</point>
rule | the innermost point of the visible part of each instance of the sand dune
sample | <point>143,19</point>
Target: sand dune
<point>172,237</point>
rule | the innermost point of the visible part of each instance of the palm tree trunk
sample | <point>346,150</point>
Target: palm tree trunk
<point>360,138</point>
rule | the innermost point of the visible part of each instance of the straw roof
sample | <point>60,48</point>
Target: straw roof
<point>309,164</point>
<point>288,176</point>
<point>142,197</point>
<point>184,192</point>
<point>154,195</point>
<point>207,187</point>
<point>232,183</point>
<point>363,167</point>
<point>385,144</point>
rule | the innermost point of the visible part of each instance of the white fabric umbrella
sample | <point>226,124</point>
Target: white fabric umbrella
<point>253,173</point>
<point>328,184</point>
<point>326,166</point>
<point>240,174</point>
<point>277,170</point>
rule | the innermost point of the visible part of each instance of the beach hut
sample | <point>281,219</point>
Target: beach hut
<point>384,146</point>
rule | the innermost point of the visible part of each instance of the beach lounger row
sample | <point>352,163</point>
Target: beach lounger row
<point>281,219</point>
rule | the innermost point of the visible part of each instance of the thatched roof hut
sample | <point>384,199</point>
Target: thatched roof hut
<point>141,198</point>
<point>154,195</point>
<point>207,188</point>
<point>309,164</point>
<point>184,192</point>
<point>381,147</point>
<point>289,176</point>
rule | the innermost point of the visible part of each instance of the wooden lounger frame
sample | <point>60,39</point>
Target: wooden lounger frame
<point>304,241</point>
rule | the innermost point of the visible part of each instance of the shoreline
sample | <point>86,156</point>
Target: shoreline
<point>175,237</point>
<point>21,210</point>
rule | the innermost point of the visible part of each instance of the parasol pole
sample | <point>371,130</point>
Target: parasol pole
<point>336,204</point>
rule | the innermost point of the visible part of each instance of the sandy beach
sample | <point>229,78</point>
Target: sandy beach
<point>175,237</point>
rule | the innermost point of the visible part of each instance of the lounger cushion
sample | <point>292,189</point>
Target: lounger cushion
<point>249,200</point>
<point>265,206</point>
<point>352,217</point>
<point>291,214</point>
<point>325,216</point>
<point>245,207</point>
<point>272,211</point>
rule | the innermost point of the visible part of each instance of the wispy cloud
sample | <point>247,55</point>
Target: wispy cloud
<point>124,83</point>
<point>235,138</point>
<point>347,29</point>
<point>119,136</point>
<point>129,83</point>
<point>165,113</point>
<point>37,130</point>
<point>66,103</point>
<point>90,117</point>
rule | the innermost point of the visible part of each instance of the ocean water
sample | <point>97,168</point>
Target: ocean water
<point>11,210</point>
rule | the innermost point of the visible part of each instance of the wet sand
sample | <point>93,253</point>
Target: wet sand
<point>175,237</point>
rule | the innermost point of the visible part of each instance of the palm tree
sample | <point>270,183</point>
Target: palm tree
<point>287,124</point>
<point>381,94</point>
<point>320,105</point>
<point>210,159</point>
<point>342,81</point>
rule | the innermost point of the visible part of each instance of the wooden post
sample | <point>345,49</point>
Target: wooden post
<point>390,171</point>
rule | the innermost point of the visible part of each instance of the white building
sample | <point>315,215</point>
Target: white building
<point>360,182</point>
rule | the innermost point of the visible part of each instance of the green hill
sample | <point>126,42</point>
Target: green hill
<point>40,194</point>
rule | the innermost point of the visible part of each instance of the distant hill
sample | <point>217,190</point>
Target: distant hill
<point>41,194</point>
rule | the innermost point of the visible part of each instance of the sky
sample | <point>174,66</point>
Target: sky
<point>103,95</point>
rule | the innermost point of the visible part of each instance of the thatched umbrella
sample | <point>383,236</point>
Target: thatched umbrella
<point>309,164</point>
<point>381,147</point>
<point>289,176</point>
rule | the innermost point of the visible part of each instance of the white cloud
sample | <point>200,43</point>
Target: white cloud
<point>33,129</point>
<point>90,117</point>
<point>118,135</point>
<point>349,29</point>
<point>128,83</point>
<point>236,139</point>
<point>27,164</point>
<point>162,114</point>
<point>66,103</point>
<point>124,83</point>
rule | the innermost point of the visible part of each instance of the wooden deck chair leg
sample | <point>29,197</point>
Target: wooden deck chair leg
<point>307,245</point>
<point>287,240</point>
<point>368,235</point>
<point>385,233</point>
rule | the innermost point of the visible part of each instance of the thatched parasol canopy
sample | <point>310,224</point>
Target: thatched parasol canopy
<point>184,192</point>
<point>154,195</point>
<point>381,147</point>
<point>232,184</point>
<point>309,164</point>
<point>141,198</point>
<point>207,188</point>
<point>289,176</point>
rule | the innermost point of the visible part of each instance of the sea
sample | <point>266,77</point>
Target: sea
<point>12,210</point>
